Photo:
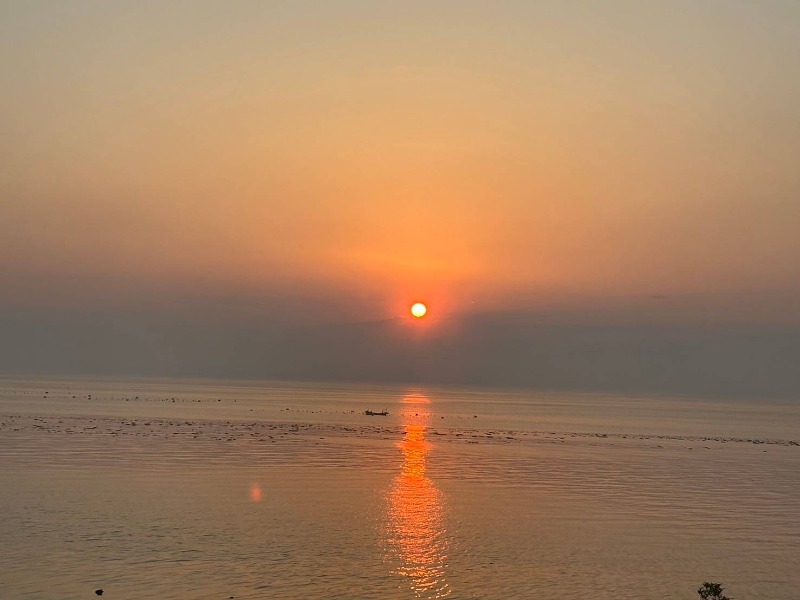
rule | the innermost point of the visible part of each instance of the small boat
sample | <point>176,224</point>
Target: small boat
<point>372,413</point>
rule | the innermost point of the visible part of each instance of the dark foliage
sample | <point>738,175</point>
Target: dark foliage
<point>712,591</point>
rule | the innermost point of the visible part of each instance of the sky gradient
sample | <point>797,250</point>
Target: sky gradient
<point>283,179</point>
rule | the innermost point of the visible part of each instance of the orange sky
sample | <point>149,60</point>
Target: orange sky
<point>520,156</point>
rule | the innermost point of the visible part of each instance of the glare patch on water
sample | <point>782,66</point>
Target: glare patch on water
<point>255,492</point>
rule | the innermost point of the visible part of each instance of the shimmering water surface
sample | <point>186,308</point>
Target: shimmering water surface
<point>186,489</point>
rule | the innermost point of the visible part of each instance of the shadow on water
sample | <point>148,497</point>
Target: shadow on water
<point>417,540</point>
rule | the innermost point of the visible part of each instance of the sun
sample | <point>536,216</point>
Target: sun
<point>419,310</point>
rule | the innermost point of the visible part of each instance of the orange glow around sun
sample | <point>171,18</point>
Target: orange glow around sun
<point>419,310</point>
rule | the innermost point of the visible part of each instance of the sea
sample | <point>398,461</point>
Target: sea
<point>201,489</point>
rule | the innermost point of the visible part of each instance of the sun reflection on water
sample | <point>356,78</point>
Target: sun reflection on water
<point>416,533</point>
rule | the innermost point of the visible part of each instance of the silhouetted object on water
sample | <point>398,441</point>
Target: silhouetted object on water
<point>99,592</point>
<point>712,591</point>
<point>372,413</point>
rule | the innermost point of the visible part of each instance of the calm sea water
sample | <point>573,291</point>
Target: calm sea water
<point>200,489</point>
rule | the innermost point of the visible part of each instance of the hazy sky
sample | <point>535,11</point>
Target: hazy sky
<point>258,166</point>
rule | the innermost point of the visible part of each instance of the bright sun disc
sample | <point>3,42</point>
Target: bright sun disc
<point>419,310</point>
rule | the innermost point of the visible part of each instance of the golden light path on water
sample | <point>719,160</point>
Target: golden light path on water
<point>416,534</point>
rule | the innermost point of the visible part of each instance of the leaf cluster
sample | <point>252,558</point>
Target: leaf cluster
<point>712,591</point>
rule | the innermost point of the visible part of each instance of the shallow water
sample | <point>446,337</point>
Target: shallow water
<point>289,491</point>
